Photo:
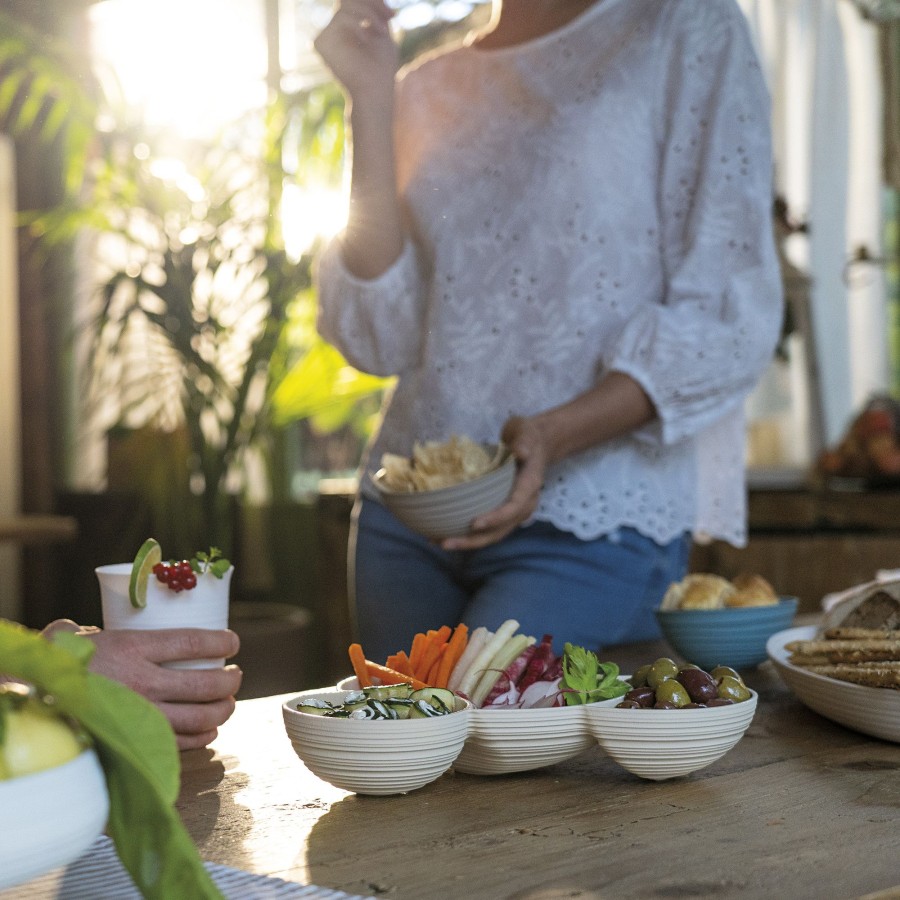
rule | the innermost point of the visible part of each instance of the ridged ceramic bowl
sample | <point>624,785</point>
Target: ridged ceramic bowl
<point>869,710</point>
<point>48,819</point>
<point>733,636</point>
<point>449,511</point>
<point>658,744</point>
<point>517,740</point>
<point>378,757</point>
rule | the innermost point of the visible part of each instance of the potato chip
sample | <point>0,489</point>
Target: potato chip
<point>436,465</point>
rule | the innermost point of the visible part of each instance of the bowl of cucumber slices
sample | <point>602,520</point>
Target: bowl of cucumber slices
<point>380,740</point>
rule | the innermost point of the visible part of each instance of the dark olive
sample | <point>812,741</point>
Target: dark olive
<point>663,705</point>
<point>699,684</point>
<point>643,696</point>
<point>695,706</point>
<point>628,704</point>
<point>661,670</point>
<point>672,691</point>
<point>733,689</point>
<point>720,701</point>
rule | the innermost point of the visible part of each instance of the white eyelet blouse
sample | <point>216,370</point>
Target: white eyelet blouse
<point>595,199</point>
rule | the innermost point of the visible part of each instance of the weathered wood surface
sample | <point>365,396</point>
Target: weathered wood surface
<point>800,808</point>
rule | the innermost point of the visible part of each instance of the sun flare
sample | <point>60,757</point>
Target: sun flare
<point>186,66</point>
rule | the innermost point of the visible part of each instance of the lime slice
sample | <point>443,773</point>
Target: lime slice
<point>147,557</point>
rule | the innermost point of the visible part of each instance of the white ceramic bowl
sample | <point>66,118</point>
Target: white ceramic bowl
<point>665,743</point>
<point>449,511</point>
<point>517,740</point>
<point>50,818</point>
<point>872,711</point>
<point>378,757</point>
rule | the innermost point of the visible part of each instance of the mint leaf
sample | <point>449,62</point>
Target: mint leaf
<point>137,749</point>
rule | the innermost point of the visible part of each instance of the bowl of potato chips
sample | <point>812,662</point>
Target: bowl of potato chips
<point>443,486</point>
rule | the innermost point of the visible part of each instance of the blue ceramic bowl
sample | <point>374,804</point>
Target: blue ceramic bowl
<point>733,637</point>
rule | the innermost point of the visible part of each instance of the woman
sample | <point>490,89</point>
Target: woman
<point>559,234</point>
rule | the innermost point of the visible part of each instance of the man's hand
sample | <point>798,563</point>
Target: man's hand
<point>195,701</point>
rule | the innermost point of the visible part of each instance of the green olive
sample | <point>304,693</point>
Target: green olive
<point>639,678</point>
<point>674,692</point>
<point>720,672</point>
<point>661,670</point>
<point>732,689</point>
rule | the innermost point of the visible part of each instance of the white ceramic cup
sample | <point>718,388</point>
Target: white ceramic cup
<point>203,606</point>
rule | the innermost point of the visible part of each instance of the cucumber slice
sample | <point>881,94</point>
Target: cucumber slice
<point>356,700</point>
<point>422,709</point>
<point>382,710</point>
<point>385,691</point>
<point>441,699</point>
<point>314,707</point>
<point>400,705</point>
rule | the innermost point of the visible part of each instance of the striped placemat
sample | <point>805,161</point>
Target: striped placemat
<point>99,875</point>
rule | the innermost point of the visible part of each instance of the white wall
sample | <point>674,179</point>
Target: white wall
<point>10,426</point>
<point>821,61</point>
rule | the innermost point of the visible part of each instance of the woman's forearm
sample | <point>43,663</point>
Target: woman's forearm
<point>617,405</point>
<point>373,237</point>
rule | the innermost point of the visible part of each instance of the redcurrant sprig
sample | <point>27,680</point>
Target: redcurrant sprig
<point>176,575</point>
<point>181,575</point>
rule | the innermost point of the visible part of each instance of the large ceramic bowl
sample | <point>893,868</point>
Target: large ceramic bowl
<point>50,818</point>
<point>733,637</point>
<point>449,511</point>
<point>517,740</point>
<point>657,744</point>
<point>378,757</point>
<point>872,711</point>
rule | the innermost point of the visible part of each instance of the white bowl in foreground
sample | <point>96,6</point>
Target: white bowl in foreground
<point>50,818</point>
<point>378,757</point>
<point>666,743</point>
<point>449,511</point>
<point>869,710</point>
<point>517,740</point>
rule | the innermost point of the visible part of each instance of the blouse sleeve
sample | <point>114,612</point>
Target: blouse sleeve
<point>376,323</point>
<point>700,351</point>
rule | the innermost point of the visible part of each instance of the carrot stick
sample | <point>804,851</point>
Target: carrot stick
<point>358,661</point>
<point>399,662</point>
<point>431,678</point>
<point>436,640</point>
<point>391,676</point>
<point>455,647</point>
<point>415,651</point>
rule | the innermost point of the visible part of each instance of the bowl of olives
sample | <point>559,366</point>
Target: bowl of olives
<point>674,720</point>
<point>736,635</point>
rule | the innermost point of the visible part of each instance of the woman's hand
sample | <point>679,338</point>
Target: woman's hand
<point>358,48</point>
<point>616,405</point>
<point>195,701</point>
<point>528,443</point>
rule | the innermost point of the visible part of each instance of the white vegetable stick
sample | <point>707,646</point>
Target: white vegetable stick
<point>477,640</point>
<point>488,652</point>
<point>497,666</point>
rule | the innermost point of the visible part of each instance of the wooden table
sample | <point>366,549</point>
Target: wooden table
<point>800,808</point>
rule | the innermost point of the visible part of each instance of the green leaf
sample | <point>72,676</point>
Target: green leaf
<point>137,749</point>
<point>586,679</point>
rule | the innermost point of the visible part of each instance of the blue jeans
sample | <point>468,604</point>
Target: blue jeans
<point>590,593</point>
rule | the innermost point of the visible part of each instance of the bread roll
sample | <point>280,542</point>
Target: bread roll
<point>751,590</point>
<point>698,591</point>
